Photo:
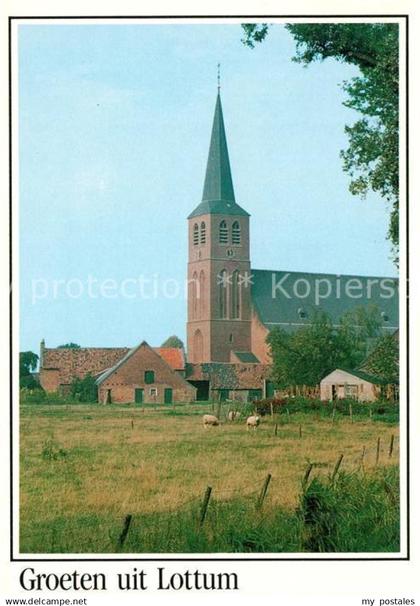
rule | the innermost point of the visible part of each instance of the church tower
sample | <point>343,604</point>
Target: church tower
<point>219,272</point>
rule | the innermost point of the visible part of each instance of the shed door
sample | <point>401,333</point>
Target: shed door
<point>167,398</point>
<point>138,395</point>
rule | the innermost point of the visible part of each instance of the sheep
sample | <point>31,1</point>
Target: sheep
<point>253,421</point>
<point>234,415</point>
<point>209,420</point>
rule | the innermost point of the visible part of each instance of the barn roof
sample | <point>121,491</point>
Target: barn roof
<point>226,375</point>
<point>278,298</point>
<point>78,362</point>
<point>174,356</point>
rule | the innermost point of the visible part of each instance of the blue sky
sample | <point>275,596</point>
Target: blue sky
<point>114,127</point>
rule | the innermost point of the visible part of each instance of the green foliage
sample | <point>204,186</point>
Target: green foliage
<point>69,346</point>
<point>51,450</point>
<point>84,390</point>
<point>329,519</point>
<point>28,361</point>
<point>307,355</point>
<point>384,359</point>
<point>173,341</point>
<point>382,410</point>
<point>254,32</point>
<point>356,513</point>
<point>371,158</point>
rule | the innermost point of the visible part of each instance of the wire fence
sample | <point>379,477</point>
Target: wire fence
<point>63,533</point>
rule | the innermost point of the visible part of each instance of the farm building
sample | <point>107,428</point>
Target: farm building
<point>341,383</point>
<point>243,382</point>
<point>143,376</point>
<point>60,365</point>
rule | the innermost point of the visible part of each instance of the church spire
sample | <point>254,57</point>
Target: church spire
<point>218,182</point>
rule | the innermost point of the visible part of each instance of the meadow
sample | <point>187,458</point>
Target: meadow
<point>107,479</point>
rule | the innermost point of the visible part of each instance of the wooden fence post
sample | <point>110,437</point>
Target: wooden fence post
<point>132,424</point>
<point>300,431</point>
<point>378,449</point>
<point>391,446</point>
<point>271,409</point>
<point>362,459</point>
<point>204,505</point>
<point>275,429</point>
<point>125,529</point>
<point>337,467</point>
<point>351,412</point>
<point>307,474</point>
<point>263,492</point>
<point>333,415</point>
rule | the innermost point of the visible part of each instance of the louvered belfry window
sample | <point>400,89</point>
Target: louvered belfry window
<point>202,233</point>
<point>236,233</point>
<point>223,233</point>
<point>195,234</point>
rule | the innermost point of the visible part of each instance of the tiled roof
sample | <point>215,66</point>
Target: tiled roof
<point>174,356</point>
<point>78,362</point>
<point>229,376</point>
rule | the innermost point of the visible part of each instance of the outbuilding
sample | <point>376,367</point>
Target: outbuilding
<point>342,383</point>
<point>143,376</point>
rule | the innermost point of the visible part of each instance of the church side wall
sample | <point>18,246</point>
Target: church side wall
<point>259,334</point>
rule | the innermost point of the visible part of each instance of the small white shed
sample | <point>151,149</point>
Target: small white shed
<point>341,383</point>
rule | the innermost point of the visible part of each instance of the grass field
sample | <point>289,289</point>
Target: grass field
<point>85,467</point>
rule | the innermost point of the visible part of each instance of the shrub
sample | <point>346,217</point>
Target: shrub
<point>84,390</point>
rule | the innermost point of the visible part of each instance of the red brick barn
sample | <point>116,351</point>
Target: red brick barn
<point>143,376</point>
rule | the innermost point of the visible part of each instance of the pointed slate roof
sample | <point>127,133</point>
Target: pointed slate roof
<point>218,194</point>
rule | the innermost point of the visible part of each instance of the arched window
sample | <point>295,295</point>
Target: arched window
<point>202,233</point>
<point>236,233</point>
<point>235,296</point>
<point>195,234</point>
<point>201,293</point>
<point>223,233</point>
<point>222,282</point>
<point>198,346</point>
<point>193,286</point>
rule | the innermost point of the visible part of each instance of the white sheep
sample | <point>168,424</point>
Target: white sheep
<point>234,415</point>
<point>253,421</point>
<point>209,420</point>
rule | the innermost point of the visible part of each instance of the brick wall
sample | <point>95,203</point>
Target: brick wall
<point>258,336</point>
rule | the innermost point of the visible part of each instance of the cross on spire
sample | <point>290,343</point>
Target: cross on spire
<point>218,77</point>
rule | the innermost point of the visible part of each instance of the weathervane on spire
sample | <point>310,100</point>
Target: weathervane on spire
<point>218,77</point>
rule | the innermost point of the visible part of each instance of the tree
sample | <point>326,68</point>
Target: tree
<point>371,158</point>
<point>28,361</point>
<point>84,390</point>
<point>309,354</point>
<point>173,341</point>
<point>69,346</point>
<point>384,359</point>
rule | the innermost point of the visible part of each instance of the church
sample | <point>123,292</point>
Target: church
<point>231,310</point>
